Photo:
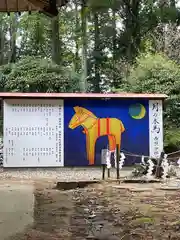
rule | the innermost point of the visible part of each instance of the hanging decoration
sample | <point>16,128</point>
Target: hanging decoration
<point>165,166</point>
<point>150,169</point>
<point>178,162</point>
<point>142,159</point>
<point>108,159</point>
<point>122,159</point>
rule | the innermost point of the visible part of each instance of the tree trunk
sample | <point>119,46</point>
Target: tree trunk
<point>173,3</point>
<point>55,40</point>
<point>97,78</point>
<point>13,31</point>
<point>76,38</point>
<point>114,46</point>
<point>83,82</point>
<point>161,26</point>
<point>132,36</point>
<point>2,41</point>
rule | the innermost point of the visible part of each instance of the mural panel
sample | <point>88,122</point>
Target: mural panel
<point>33,133</point>
<point>91,125</point>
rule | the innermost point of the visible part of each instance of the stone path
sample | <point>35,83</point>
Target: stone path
<point>16,208</point>
<point>61,174</point>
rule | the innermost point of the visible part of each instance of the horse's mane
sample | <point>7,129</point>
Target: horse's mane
<point>81,110</point>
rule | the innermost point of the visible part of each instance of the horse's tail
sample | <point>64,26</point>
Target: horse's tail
<point>122,126</point>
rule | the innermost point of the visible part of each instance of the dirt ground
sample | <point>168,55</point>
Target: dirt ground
<point>103,212</point>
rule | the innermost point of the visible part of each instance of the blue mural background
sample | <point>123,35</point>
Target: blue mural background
<point>135,139</point>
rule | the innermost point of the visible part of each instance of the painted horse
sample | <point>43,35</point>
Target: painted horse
<point>94,128</point>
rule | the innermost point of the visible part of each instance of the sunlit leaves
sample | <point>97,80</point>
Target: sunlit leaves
<point>33,74</point>
<point>155,73</point>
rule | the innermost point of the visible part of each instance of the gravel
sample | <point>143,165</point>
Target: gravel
<point>60,174</point>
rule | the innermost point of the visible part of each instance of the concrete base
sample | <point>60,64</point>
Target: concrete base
<point>141,181</point>
<point>73,185</point>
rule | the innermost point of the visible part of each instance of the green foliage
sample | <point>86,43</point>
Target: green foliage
<point>34,30</point>
<point>32,74</point>
<point>116,32</point>
<point>155,73</point>
<point>102,3</point>
<point>171,139</point>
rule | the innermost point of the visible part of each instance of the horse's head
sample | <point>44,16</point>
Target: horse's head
<point>81,114</point>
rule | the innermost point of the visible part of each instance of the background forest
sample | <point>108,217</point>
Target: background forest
<point>97,46</point>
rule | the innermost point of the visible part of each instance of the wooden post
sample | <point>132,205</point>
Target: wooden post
<point>103,171</point>
<point>103,162</point>
<point>117,160</point>
<point>108,172</point>
<point>158,167</point>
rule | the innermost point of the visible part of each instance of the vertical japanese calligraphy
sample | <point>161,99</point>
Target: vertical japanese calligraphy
<point>155,128</point>
<point>33,133</point>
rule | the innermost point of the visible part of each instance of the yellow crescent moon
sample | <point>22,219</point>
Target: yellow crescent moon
<point>141,114</point>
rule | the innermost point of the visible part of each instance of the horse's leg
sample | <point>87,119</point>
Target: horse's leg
<point>87,146</point>
<point>118,139</point>
<point>91,148</point>
<point>112,142</point>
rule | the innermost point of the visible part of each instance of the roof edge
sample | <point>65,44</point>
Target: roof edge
<point>82,95</point>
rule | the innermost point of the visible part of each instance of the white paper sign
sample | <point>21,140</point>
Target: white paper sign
<point>155,128</point>
<point>33,133</point>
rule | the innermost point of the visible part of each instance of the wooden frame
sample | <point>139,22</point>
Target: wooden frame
<point>48,7</point>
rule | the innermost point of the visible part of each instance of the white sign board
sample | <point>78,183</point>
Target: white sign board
<point>33,133</point>
<point>155,128</point>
